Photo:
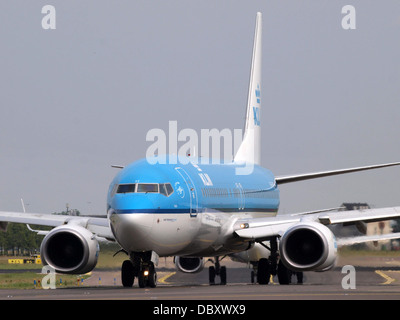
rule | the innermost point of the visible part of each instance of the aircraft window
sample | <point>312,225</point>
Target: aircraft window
<point>163,190</point>
<point>126,188</point>
<point>114,190</point>
<point>169,188</point>
<point>166,189</point>
<point>147,187</point>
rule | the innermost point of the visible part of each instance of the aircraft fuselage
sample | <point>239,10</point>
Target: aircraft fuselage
<point>187,209</point>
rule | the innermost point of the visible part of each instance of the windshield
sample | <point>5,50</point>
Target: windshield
<point>147,187</point>
<point>126,188</point>
<point>163,188</point>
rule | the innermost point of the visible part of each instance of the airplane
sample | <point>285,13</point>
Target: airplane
<point>193,211</point>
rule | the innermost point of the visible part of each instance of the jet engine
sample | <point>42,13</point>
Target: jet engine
<point>70,249</point>
<point>189,264</point>
<point>308,246</point>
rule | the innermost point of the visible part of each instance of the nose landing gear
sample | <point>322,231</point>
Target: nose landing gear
<point>147,277</point>
<point>141,266</point>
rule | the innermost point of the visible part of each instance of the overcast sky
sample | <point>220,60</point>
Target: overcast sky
<point>79,98</point>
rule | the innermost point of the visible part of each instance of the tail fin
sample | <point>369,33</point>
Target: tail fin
<point>250,148</point>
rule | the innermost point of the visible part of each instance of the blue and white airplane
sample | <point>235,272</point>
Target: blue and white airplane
<point>196,210</point>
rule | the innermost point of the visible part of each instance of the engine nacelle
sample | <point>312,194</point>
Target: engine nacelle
<point>308,246</point>
<point>189,264</point>
<point>70,249</point>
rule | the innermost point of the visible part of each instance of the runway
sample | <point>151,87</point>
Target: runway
<point>371,283</point>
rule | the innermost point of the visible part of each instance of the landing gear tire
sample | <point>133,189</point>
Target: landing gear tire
<point>127,273</point>
<point>141,266</point>
<point>222,274</point>
<point>264,268</point>
<point>211,275</point>
<point>216,270</point>
<point>263,272</point>
<point>152,278</point>
<point>147,277</point>
<point>141,280</point>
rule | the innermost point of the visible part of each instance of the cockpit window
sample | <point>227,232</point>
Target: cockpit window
<point>163,188</point>
<point>147,187</point>
<point>169,188</point>
<point>166,189</point>
<point>126,188</point>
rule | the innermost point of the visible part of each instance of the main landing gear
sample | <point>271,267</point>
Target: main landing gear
<point>217,270</point>
<point>264,268</point>
<point>141,267</point>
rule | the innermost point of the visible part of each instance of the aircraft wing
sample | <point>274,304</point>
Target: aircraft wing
<point>99,226</point>
<point>260,229</point>
<point>321,174</point>
<point>350,241</point>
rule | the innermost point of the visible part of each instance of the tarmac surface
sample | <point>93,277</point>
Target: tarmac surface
<point>372,279</point>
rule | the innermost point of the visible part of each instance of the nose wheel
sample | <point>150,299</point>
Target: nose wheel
<point>147,277</point>
<point>127,273</point>
<point>140,268</point>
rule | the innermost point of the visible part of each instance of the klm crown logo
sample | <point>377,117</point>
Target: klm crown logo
<point>258,93</point>
<point>256,114</point>
<point>256,110</point>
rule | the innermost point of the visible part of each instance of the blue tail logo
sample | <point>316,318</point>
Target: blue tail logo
<point>256,114</point>
<point>258,93</point>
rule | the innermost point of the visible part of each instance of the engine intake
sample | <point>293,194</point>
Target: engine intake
<point>70,249</point>
<point>189,264</point>
<point>308,246</point>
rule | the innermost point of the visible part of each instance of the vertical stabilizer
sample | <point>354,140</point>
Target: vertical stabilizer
<point>249,150</point>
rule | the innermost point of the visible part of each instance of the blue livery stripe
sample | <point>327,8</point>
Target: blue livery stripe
<point>182,211</point>
<point>155,211</point>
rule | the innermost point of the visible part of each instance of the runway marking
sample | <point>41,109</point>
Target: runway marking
<point>320,295</point>
<point>388,279</point>
<point>162,280</point>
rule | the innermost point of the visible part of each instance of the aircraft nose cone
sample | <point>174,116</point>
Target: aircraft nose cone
<point>131,220</point>
<point>132,230</point>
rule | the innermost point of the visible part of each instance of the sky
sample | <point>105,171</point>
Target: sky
<point>79,98</point>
